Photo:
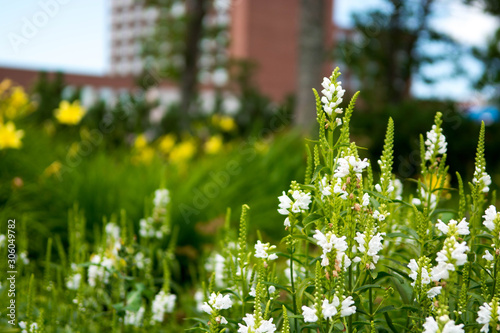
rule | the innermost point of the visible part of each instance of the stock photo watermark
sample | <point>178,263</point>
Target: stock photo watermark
<point>11,271</point>
<point>33,24</point>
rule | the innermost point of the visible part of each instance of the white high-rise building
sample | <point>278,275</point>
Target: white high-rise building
<point>130,22</point>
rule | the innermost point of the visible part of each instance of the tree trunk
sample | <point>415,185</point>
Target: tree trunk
<point>196,10</point>
<point>310,59</point>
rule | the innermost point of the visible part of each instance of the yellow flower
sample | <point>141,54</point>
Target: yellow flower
<point>167,142</point>
<point>144,156</point>
<point>9,136</point>
<point>183,151</point>
<point>53,169</point>
<point>69,114</point>
<point>435,181</point>
<point>214,144</point>
<point>140,142</point>
<point>4,85</point>
<point>225,123</point>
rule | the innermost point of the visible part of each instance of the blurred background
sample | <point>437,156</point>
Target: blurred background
<point>212,99</point>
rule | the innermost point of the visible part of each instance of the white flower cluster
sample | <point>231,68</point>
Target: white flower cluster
<point>424,278</point>
<point>163,303</point>
<point>99,270</point>
<point>423,193</point>
<point>453,227</point>
<point>266,326</point>
<point>330,309</point>
<point>154,226</point>
<point>331,241</point>
<point>394,186</point>
<point>216,265</point>
<point>299,204</point>
<point>134,318</point>
<point>261,250</point>
<point>380,216</point>
<point>487,317</point>
<point>325,187</point>
<point>24,329</point>
<point>73,280</point>
<point>141,260</point>
<point>348,163</point>
<point>443,325</point>
<point>434,137</point>
<point>491,217</point>
<point>452,254</point>
<point>217,302</point>
<point>370,247</point>
<point>485,179</point>
<point>332,96</point>
<point>113,237</point>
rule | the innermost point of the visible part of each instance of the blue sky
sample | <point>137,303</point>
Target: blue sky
<point>75,38</point>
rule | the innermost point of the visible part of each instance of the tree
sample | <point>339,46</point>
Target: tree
<point>189,47</point>
<point>385,50</point>
<point>490,55</point>
<point>311,58</point>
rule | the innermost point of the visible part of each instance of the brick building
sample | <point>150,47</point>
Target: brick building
<point>263,31</point>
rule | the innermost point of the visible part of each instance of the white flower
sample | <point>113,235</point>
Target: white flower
<point>451,250</point>
<point>338,189</point>
<point>261,251</point>
<point>99,270</point>
<point>266,326</point>
<point>488,256</point>
<point>285,204</point>
<point>461,228</point>
<point>330,241</point>
<point>199,297</point>
<point>484,317</point>
<point>309,314</point>
<point>161,198</point>
<point>330,309</point>
<point>441,271</point>
<point>424,279</point>
<point>433,138</point>
<point>217,302</point>
<point>272,289</point>
<point>287,222</point>
<point>348,307</point>
<point>325,187</point>
<point>216,264</point>
<point>431,326</point>
<point>134,318</point>
<point>434,291</point>
<point>301,203</point>
<point>489,217</point>
<point>458,253</point>
<point>163,303</point>
<point>450,327</point>
<point>23,256</point>
<point>366,199</point>
<point>113,230</point>
<point>345,164</point>
<point>33,327</point>
<point>378,188</point>
<point>3,240</point>
<point>379,216</point>
<point>73,282</point>
<point>374,246</point>
<point>485,179</point>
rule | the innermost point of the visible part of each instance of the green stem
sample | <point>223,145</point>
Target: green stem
<point>293,288</point>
